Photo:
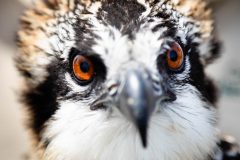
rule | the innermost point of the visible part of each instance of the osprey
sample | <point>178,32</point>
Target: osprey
<point>119,79</point>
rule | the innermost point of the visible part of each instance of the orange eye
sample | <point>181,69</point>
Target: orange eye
<point>175,57</point>
<point>83,68</point>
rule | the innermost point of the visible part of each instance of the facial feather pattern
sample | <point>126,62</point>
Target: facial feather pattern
<point>87,120</point>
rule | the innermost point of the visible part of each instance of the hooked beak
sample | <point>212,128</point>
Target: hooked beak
<point>136,100</point>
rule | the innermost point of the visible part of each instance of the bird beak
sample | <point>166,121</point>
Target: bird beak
<point>136,100</point>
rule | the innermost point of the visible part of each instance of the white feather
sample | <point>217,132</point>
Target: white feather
<point>181,131</point>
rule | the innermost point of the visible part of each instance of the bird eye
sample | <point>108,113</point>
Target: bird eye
<point>83,68</point>
<point>175,57</point>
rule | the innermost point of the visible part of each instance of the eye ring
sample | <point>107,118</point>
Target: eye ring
<point>83,68</point>
<point>175,57</point>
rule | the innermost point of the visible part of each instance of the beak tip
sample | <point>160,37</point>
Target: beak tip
<point>143,135</point>
<point>144,143</point>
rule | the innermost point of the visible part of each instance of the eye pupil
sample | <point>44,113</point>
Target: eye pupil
<point>173,55</point>
<point>84,66</point>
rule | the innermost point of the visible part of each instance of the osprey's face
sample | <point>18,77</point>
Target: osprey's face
<point>120,79</point>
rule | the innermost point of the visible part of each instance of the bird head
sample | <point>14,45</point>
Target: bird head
<point>119,78</point>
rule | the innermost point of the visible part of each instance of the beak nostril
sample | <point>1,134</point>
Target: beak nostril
<point>112,87</point>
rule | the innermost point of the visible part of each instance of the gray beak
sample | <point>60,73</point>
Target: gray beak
<point>136,100</point>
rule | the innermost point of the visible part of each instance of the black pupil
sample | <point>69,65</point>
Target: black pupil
<point>84,66</point>
<point>173,55</point>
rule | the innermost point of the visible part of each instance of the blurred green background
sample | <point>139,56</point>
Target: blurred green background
<point>225,71</point>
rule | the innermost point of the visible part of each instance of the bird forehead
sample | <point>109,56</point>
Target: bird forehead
<point>116,30</point>
<point>80,23</point>
<point>116,48</point>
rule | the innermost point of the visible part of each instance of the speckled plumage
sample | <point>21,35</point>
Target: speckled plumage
<point>40,21</point>
<point>121,34</point>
